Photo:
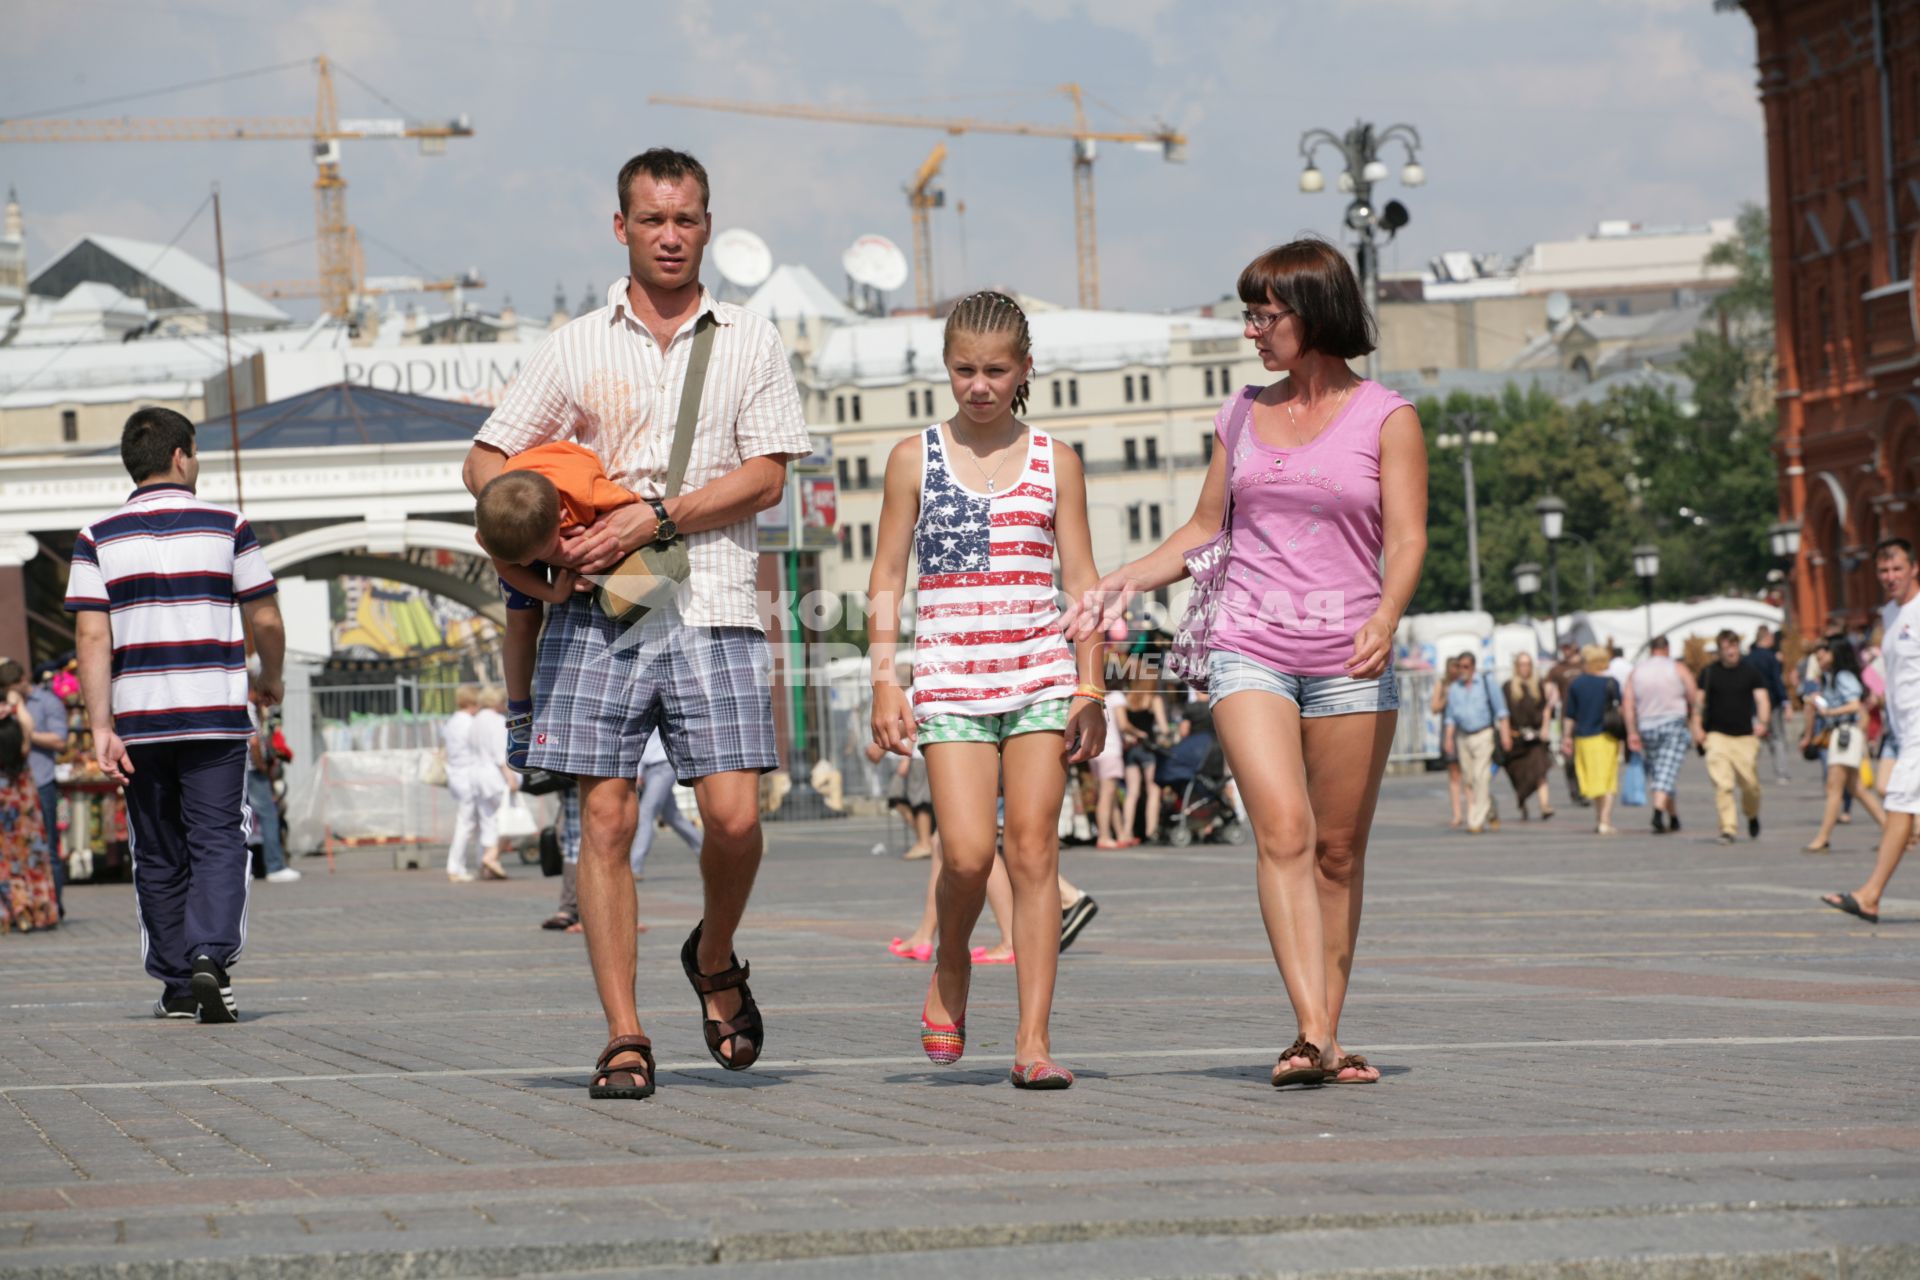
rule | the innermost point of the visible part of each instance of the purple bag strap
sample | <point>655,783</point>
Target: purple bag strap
<point>1236,424</point>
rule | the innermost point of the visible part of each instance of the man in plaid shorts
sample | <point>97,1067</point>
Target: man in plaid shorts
<point>699,670</point>
<point>1657,703</point>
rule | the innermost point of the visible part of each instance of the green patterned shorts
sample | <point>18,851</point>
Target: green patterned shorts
<point>1049,716</point>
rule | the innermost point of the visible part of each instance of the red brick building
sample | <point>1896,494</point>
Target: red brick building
<point>1840,87</point>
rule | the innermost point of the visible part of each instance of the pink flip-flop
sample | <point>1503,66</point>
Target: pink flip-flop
<point>980,956</point>
<point>922,953</point>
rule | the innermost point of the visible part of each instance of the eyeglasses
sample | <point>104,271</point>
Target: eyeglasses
<point>1260,322</point>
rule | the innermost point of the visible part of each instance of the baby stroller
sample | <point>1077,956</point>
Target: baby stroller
<point>1195,805</point>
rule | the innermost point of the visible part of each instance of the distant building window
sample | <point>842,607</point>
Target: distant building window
<point>1209,381</point>
<point>1133,522</point>
<point>840,465</point>
<point>1206,446</point>
<point>1056,393</point>
<point>839,408</point>
<point>860,478</point>
<point>1073,392</point>
<point>1226,379</point>
<point>856,408</point>
<point>1153,452</point>
<point>1080,450</point>
<point>846,542</point>
<point>1128,383</point>
<point>1130,450</point>
<point>69,426</point>
<point>866,542</point>
<point>1146,388</point>
<point>913,404</point>
<point>1153,520</point>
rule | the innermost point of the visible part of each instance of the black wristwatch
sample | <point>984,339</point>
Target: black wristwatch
<point>664,529</point>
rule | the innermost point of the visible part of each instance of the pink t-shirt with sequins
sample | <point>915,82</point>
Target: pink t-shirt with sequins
<point>1305,569</point>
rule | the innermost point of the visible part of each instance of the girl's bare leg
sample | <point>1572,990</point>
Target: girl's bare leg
<point>1033,761</point>
<point>965,778</point>
<point>923,933</point>
<point>1000,902</point>
<point>1455,794</point>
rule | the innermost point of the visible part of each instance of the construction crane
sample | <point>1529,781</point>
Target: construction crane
<point>341,275</point>
<point>922,199</point>
<point>1173,147</point>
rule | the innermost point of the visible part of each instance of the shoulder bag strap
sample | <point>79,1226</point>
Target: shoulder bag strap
<point>690,392</point>
<point>1237,423</point>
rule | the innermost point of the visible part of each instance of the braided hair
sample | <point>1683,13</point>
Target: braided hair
<point>988,312</point>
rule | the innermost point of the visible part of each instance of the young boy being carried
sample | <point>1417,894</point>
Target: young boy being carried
<point>541,494</point>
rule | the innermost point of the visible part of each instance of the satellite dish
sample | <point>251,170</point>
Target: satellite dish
<point>1559,306</point>
<point>742,257</point>
<point>875,262</point>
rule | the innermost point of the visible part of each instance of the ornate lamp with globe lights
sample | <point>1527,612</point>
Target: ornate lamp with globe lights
<point>1361,168</point>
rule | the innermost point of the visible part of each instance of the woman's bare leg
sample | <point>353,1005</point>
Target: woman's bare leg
<point>1346,756</point>
<point>1260,734</point>
<point>1000,902</point>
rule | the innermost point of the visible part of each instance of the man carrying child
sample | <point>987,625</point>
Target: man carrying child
<point>611,382</point>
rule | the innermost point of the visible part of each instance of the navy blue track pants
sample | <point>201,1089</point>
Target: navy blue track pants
<point>186,826</point>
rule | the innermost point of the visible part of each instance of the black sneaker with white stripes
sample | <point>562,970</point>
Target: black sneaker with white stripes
<point>212,991</point>
<point>176,1007</point>
<point>1075,918</point>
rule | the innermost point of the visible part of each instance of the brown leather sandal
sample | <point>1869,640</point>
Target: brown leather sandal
<point>639,1083</point>
<point>1352,1062</point>
<point>1314,1075</point>
<point>745,1029</point>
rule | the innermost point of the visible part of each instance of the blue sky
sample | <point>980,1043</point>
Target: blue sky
<point>1540,117</point>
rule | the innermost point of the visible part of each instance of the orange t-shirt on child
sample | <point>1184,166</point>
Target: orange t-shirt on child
<point>575,470</point>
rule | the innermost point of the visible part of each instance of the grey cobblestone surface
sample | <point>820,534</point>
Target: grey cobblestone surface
<point>1663,1055</point>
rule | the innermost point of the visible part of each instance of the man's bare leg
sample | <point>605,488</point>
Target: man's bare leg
<point>730,850</point>
<point>608,811</point>
<point>1893,846</point>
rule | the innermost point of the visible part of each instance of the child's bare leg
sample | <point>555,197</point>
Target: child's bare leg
<point>923,934</point>
<point>521,646</point>
<point>1000,902</point>
<point>964,777</point>
<point>1033,760</point>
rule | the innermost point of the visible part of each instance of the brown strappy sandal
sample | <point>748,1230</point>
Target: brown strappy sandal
<point>639,1085</point>
<point>1353,1062</point>
<point>1301,1048</point>
<point>745,1029</point>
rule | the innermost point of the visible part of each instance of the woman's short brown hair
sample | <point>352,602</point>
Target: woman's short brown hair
<point>1313,280</point>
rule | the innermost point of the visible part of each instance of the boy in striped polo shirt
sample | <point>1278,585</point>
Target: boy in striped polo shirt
<point>159,590</point>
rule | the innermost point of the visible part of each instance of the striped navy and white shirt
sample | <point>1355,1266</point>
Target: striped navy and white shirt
<point>171,573</point>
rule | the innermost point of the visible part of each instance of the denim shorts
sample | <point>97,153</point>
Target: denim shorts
<point>1229,673</point>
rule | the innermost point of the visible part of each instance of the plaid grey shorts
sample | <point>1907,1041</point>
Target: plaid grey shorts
<point>1667,746</point>
<point>601,688</point>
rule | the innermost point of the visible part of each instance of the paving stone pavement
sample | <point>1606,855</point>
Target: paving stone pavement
<point>1633,1056</point>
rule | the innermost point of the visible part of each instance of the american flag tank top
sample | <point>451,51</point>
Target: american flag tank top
<point>986,636</point>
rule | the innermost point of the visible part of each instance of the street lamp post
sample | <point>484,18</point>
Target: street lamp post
<point>1526,584</point>
<point>1467,433</point>
<point>1646,567</point>
<point>1359,150</point>
<point>1783,539</point>
<point>1553,523</point>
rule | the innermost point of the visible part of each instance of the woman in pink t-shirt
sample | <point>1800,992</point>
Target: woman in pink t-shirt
<point>1329,480</point>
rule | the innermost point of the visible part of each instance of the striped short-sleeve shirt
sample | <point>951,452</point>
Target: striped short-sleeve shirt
<point>602,381</point>
<point>171,573</point>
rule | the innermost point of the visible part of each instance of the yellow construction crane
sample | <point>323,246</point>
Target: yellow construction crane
<point>341,274</point>
<point>1173,147</point>
<point>922,199</point>
<point>367,286</point>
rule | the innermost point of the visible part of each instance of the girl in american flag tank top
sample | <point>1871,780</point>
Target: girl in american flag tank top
<point>985,502</point>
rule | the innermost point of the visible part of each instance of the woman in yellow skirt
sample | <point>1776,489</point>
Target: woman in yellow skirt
<point>1595,752</point>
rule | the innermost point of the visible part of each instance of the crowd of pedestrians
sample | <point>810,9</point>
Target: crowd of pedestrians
<point>1630,727</point>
